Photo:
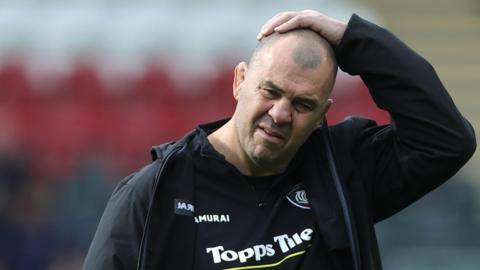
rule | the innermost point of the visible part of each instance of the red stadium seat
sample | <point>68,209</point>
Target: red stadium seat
<point>350,97</point>
<point>156,86</point>
<point>14,85</point>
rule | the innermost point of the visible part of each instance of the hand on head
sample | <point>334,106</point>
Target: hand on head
<point>330,28</point>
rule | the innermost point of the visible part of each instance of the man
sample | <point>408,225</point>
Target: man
<point>273,187</point>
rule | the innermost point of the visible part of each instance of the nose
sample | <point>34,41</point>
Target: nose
<point>281,111</point>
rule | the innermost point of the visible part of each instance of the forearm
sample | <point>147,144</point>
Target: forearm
<point>403,83</point>
<point>428,140</point>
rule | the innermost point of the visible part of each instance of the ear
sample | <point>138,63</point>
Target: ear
<point>325,110</point>
<point>239,78</point>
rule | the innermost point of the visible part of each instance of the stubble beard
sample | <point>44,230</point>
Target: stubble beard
<point>262,154</point>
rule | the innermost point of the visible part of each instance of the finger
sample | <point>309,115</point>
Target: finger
<point>275,21</point>
<point>288,25</point>
<point>268,27</point>
<point>293,23</point>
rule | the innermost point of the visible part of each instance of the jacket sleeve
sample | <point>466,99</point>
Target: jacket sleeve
<point>116,243</point>
<point>428,140</point>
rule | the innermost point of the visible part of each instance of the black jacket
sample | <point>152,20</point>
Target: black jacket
<point>383,169</point>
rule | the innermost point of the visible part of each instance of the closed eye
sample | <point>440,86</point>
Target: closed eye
<point>270,93</point>
<point>302,107</point>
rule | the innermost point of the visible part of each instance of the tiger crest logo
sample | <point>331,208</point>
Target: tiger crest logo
<point>298,197</point>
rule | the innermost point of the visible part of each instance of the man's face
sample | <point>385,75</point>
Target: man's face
<point>279,104</point>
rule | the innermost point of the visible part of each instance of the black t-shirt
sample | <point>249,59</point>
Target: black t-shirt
<point>246,222</point>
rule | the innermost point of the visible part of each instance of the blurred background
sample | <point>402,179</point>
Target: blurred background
<point>88,86</point>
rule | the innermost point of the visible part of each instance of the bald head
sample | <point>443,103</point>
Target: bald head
<point>305,48</point>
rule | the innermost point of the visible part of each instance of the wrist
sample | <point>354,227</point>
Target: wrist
<point>332,30</point>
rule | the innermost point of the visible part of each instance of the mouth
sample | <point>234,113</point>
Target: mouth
<point>271,135</point>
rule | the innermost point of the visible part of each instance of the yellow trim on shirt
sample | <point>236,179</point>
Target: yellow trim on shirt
<point>267,265</point>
